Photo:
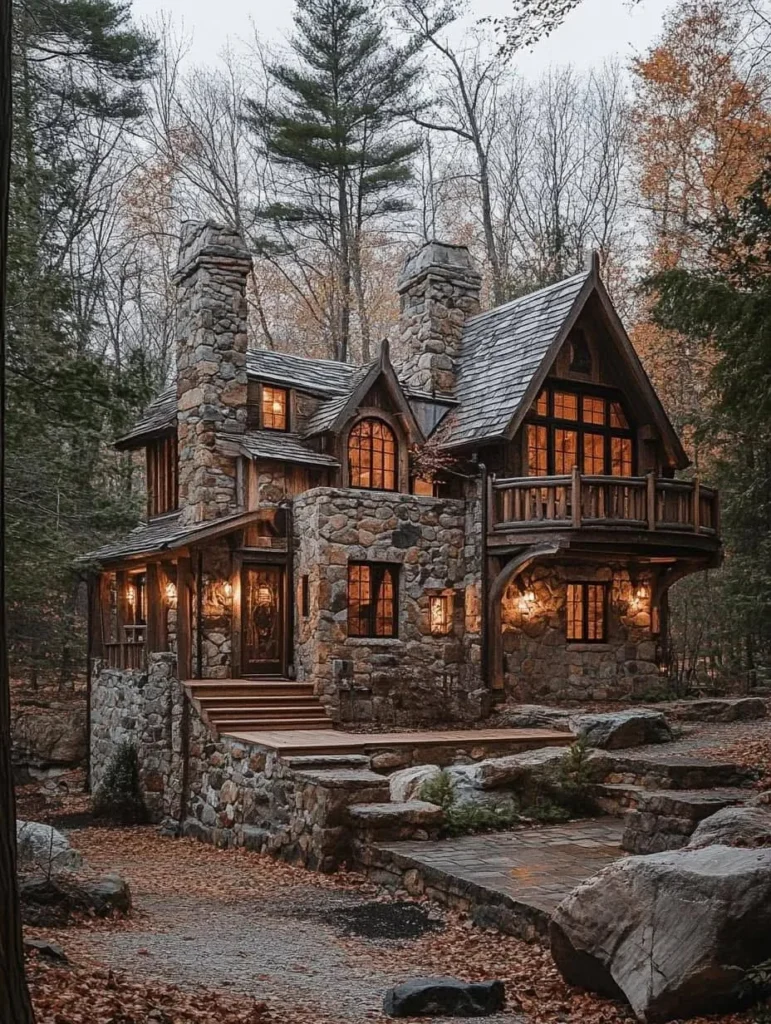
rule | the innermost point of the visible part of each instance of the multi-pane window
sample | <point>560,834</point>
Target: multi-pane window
<point>274,408</point>
<point>372,599</point>
<point>577,428</point>
<point>587,612</point>
<point>372,455</point>
<point>162,491</point>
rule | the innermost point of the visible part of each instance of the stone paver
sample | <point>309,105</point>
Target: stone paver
<point>525,871</point>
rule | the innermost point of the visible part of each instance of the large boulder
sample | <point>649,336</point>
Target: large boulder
<point>519,773</point>
<point>444,997</point>
<point>406,784</point>
<point>53,900</point>
<point>718,709</point>
<point>43,847</point>
<point>534,716</point>
<point>673,932</point>
<point>47,737</point>
<point>615,730</point>
<point>734,826</point>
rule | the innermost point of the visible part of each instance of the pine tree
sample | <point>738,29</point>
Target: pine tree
<point>335,125</point>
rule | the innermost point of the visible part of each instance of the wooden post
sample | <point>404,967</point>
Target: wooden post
<point>575,498</point>
<point>696,505</point>
<point>156,609</point>
<point>489,499</point>
<point>652,500</point>
<point>184,628</point>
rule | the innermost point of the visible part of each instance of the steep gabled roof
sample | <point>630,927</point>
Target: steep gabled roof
<point>501,351</point>
<point>274,445</point>
<point>158,418</point>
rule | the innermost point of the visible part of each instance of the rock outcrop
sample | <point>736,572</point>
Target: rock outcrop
<point>616,730</point>
<point>444,997</point>
<point>44,848</point>
<point>406,784</point>
<point>673,933</point>
<point>734,826</point>
<point>49,737</point>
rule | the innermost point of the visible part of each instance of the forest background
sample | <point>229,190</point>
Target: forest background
<point>422,127</point>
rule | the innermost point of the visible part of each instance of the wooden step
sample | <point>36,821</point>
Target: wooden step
<point>214,703</point>
<point>272,724</point>
<point>239,688</point>
<point>273,711</point>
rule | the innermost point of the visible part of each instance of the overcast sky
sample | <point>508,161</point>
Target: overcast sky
<point>597,30</point>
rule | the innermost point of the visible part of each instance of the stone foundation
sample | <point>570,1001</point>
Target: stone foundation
<point>542,666</point>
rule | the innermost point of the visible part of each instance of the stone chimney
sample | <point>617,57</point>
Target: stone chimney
<point>439,288</point>
<point>211,365</point>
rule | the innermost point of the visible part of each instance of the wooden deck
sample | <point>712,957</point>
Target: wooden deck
<point>334,741</point>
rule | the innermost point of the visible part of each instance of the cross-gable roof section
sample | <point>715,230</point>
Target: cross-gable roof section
<point>507,353</point>
<point>316,376</point>
<point>334,413</point>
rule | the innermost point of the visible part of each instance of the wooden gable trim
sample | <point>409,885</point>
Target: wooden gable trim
<point>383,367</point>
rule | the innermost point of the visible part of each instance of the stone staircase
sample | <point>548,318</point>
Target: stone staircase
<point>269,704</point>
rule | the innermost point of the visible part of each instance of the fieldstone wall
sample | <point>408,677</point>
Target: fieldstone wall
<point>211,365</point>
<point>144,707</point>
<point>541,666</point>
<point>417,677</point>
<point>439,288</point>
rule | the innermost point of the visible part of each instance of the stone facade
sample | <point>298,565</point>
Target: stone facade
<point>417,677</point>
<point>439,289</point>
<point>542,667</point>
<point>211,366</point>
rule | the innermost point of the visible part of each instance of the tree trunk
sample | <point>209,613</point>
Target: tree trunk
<point>15,1005</point>
<point>344,322</point>
<point>361,303</point>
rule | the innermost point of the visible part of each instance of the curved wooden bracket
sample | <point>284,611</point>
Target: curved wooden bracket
<point>512,568</point>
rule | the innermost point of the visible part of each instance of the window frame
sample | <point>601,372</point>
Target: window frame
<point>385,425</point>
<point>265,386</point>
<point>370,617</point>
<point>554,424</point>
<point>162,475</point>
<point>585,586</point>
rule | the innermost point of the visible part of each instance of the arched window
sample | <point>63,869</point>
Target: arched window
<point>372,456</point>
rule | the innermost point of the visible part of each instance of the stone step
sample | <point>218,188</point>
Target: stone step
<point>693,804</point>
<point>666,771</point>
<point>391,822</point>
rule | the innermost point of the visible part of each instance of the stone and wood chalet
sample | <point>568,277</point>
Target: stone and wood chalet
<point>490,509</point>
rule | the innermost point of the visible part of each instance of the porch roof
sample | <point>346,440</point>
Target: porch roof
<point>165,534</point>
<point>276,446</point>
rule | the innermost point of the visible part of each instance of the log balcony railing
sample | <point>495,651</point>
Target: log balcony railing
<point>578,501</point>
<point>129,652</point>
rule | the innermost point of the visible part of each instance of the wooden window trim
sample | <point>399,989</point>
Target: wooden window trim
<point>587,591</point>
<point>578,426</point>
<point>287,408</point>
<point>365,618</point>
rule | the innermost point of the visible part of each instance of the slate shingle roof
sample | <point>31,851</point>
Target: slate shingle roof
<point>501,351</point>
<point>326,414</point>
<point>281,447</point>
<point>318,376</point>
<point>158,417</point>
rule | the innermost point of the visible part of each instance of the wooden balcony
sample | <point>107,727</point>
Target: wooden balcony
<point>577,502</point>
<point>129,652</point>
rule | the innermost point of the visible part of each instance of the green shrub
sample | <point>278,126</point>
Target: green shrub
<point>119,796</point>
<point>755,989</point>
<point>464,818</point>
<point>439,790</point>
<point>571,789</point>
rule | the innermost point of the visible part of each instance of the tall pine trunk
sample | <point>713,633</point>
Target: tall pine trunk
<point>15,1005</point>
<point>344,322</point>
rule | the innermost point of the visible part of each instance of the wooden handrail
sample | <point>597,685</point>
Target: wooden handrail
<point>578,501</point>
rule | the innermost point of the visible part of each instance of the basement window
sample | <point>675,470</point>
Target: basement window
<point>587,605</point>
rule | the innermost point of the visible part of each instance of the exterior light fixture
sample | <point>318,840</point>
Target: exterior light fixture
<point>440,614</point>
<point>171,591</point>
<point>227,589</point>
<point>526,601</point>
<point>131,594</point>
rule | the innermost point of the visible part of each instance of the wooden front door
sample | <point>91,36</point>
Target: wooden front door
<point>262,617</point>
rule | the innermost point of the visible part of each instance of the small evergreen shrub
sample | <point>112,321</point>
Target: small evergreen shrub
<point>465,817</point>
<point>755,989</point>
<point>119,796</point>
<point>439,790</point>
<point>571,789</point>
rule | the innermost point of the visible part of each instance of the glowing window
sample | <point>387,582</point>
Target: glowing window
<point>275,403</point>
<point>593,410</point>
<point>440,613</point>
<point>594,453</point>
<point>372,456</point>
<point>565,405</point>
<point>586,612</point>
<point>617,417</point>
<point>565,451</point>
<point>537,450</point>
<point>372,603</point>
<point>621,456</point>
<point>541,404</point>
<point>422,486</point>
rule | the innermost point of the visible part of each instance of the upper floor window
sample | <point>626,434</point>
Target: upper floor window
<point>372,599</point>
<point>274,408</point>
<point>578,428</point>
<point>162,493</point>
<point>372,455</point>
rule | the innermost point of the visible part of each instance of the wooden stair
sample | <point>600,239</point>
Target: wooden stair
<point>268,704</point>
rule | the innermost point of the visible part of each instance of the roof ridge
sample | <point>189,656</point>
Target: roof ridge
<point>512,303</point>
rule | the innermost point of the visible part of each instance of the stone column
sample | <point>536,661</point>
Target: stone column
<point>211,365</point>
<point>439,288</point>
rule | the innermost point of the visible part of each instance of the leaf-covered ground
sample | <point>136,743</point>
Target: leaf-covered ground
<point>238,938</point>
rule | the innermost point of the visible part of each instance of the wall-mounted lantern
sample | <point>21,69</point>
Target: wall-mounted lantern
<point>440,614</point>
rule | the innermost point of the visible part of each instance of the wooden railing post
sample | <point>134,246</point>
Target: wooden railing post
<point>489,499</point>
<point>696,505</point>
<point>652,500</point>
<point>575,498</point>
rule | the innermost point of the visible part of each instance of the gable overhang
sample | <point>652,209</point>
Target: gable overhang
<point>381,368</point>
<point>644,389</point>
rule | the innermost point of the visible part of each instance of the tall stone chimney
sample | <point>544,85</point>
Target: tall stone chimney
<point>211,365</point>
<point>439,288</point>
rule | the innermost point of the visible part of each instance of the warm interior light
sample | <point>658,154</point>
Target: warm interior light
<point>227,589</point>
<point>171,591</point>
<point>526,601</point>
<point>131,594</point>
<point>439,614</point>
<point>278,408</point>
<point>264,595</point>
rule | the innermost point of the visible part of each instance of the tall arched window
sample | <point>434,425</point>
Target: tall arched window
<point>372,456</point>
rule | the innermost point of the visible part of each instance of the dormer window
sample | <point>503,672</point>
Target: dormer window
<point>162,476</point>
<point>274,408</point>
<point>372,456</point>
